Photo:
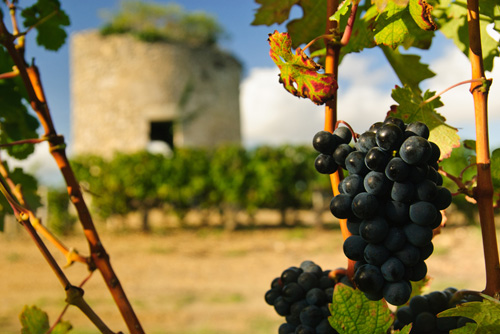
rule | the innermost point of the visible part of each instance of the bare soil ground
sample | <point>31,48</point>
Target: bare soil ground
<point>201,282</point>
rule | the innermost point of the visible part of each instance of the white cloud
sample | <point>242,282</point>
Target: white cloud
<point>270,115</point>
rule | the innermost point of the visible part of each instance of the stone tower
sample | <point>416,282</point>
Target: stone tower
<point>127,94</point>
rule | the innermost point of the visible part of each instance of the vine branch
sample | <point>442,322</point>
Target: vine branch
<point>31,80</point>
<point>483,192</point>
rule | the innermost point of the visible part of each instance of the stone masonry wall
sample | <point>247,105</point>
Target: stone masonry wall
<point>119,85</point>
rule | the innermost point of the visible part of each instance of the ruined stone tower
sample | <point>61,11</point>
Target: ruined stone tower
<point>127,93</point>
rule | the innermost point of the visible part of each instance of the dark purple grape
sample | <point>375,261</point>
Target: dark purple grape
<point>325,164</point>
<point>365,205</point>
<point>393,269</point>
<point>423,213</point>
<point>324,142</point>
<point>415,150</point>
<point>271,295</point>
<point>365,142</point>
<point>396,121</point>
<point>355,163</point>
<point>376,183</point>
<point>286,328</point>
<point>443,198</point>
<point>397,293</point>
<point>344,134</point>
<point>397,170</point>
<point>353,185</point>
<point>369,279</point>
<point>308,281</point>
<point>340,206</point>
<point>354,247</point>
<point>425,322</point>
<point>311,316</point>
<point>340,154</point>
<point>417,129</point>
<point>376,159</point>
<point>374,230</point>
<point>376,254</point>
<point>403,192</point>
<point>292,292</point>
<point>389,137</point>
<point>395,239</point>
<point>426,190</point>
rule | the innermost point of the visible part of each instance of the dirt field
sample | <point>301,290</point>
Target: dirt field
<point>201,282</point>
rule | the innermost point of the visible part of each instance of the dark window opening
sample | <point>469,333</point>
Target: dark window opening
<point>162,131</point>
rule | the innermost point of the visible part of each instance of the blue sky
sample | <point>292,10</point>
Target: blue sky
<point>269,114</point>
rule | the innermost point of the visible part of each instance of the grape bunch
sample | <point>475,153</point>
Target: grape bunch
<point>422,311</point>
<point>391,199</point>
<point>301,295</point>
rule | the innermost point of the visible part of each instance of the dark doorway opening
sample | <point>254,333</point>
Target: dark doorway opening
<point>162,131</point>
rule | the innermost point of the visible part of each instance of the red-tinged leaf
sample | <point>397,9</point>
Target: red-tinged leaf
<point>420,10</point>
<point>272,11</point>
<point>299,73</point>
<point>352,312</point>
<point>405,330</point>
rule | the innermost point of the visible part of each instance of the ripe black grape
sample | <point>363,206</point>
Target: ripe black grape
<point>365,142</point>
<point>354,247</point>
<point>389,137</point>
<point>415,150</point>
<point>369,279</point>
<point>355,163</point>
<point>376,159</point>
<point>417,129</point>
<point>324,142</point>
<point>365,205</point>
<point>325,164</point>
<point>340,206</point>
<point>344,134</point>
<point>397,293</point>
<point>340,154</point>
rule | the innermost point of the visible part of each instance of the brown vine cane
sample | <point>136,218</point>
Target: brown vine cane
<point>31,80</point>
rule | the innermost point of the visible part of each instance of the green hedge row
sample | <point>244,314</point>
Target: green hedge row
<point>266,177</point>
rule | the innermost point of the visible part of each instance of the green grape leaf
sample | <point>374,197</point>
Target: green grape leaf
<point>311,25</point>
<point>486,314</point>
<point>495,169</point>
<point>341,11</point>
<point>408,67</point>
<point>272,11</point>
<point>36,321</point>
<point>452,19</point>
<point>16,122</point>
<point>410,109</point>
<point>48,19</point>
<point>352,312</point>
<point>391,28</point>
<point>299,73</point>
<point>420,11</point>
